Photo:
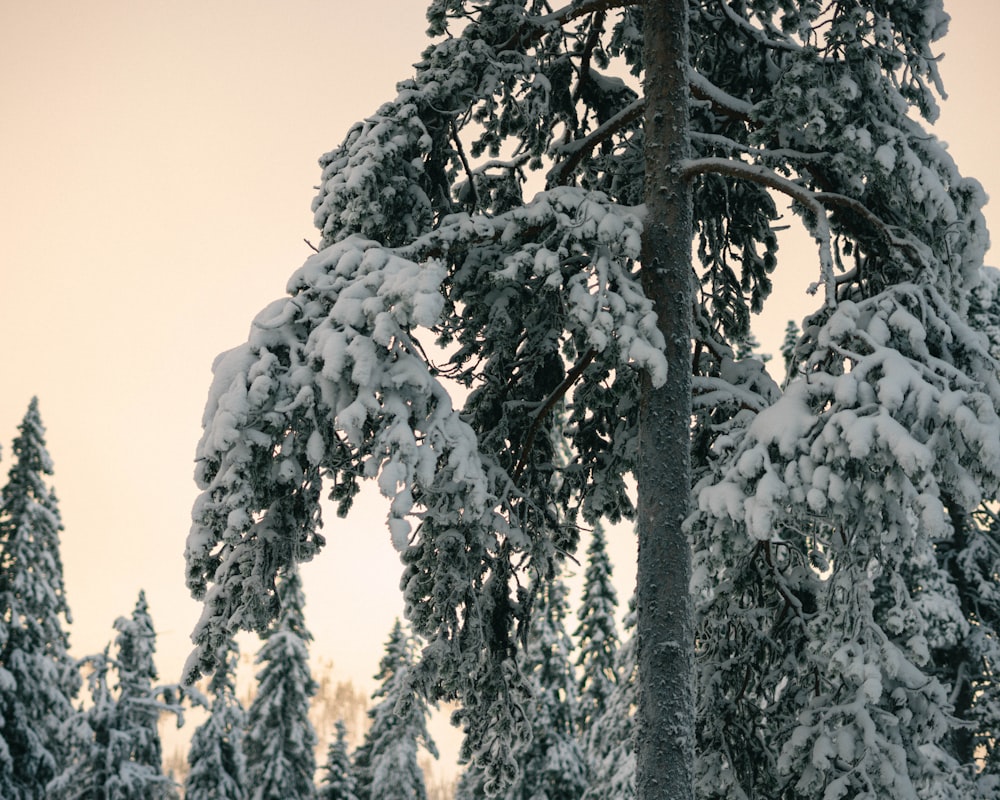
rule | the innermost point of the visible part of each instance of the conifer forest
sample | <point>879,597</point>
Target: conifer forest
<point>529,323</point>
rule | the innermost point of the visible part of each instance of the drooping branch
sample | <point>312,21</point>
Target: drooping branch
<point>558,393</point>
<point>535,27</point>
<point>770,179</point>
<point>703,89</point>
<point>816,202</point>
<point>582,148</point>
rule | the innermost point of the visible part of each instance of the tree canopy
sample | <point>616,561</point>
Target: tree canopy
<point>502,324</point>
<point>38,678</point>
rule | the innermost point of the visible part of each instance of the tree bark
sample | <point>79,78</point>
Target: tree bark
<point>665,716</point>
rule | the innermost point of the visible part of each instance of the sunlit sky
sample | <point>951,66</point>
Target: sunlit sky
<point>157,164</point>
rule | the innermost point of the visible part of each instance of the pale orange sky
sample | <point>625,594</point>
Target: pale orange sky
<point>157,163</point>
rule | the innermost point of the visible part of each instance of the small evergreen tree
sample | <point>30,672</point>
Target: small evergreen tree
<point>338,779</point>
<point>597,634</point>
<point>279,741</point>
<point>552,764</point>
<point>788,345</point>
<point>386,764</point>
<point>38,679</point>
<point>135,749</point>
<point>610,740</point>
<point>217,764</point>
<point>115,750</point>
<point>87,734</point>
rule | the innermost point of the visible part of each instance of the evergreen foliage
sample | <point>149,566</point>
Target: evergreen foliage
<point>834,555</point>
<point>338,776</point>
<point>279,740</point>
<point>597,633</point>
<point>385,764</point>
<point>551,761</point>
<point>215,756</point>
<point>610,739</point>
<point>116,752</point>
<point>38,679</point>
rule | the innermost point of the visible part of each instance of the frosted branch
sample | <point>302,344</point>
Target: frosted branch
<point>758,35</point>
<point>581,148</point>
<point>770,179</point>
<point>704,89</point>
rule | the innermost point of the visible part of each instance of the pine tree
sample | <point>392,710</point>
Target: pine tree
<point>115,749</point>
<point>38,679</point>
<point>217,764</point>
<point>338,779</point>
<point>279,741</point>
<point>597,634</point>
<point>575,325</point>
<point>385,764</point>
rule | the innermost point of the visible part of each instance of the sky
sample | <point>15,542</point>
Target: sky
<point>157,165</point>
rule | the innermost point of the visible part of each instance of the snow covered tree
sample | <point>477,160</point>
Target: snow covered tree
<point>597,634</point>
<point>115,750</point>
<point>217,764</point>
<point>279,741</point>
<point>610,739</point>
<point>582,339</point>
<point>338,776</point>
<point>551,760</point>
<point>38,679</point>
<point>87,734</point>
<point>385,764</point>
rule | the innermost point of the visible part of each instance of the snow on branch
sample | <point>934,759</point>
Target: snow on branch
<point>817,203</point>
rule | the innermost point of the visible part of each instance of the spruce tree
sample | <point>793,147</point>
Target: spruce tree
<point>338,776</point>
<point>610,740</point>
<point>552,764</point>
<point>135,750</point>
<point>385,764</point>
<point>574,322</point>
<point>115,749</point>
<point>38,679</point>
<point>217,764</point>
<point>88,734</point>
<point>597,633</point>
<point>279,742</point>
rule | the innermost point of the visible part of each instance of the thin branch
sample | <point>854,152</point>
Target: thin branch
<point>581,148</point>
<point>703,89</point>
<point>535,27</point>
<point>465,163</point>
<point>555,397</point>
<point>758,34</point>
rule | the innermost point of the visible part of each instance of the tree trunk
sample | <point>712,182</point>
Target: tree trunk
<point>665,717</point>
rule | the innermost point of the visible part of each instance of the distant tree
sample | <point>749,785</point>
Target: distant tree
<point>38,679</point>
<point>597,633</point>
<point>338,777</point>
<point>217,764</point>
<point>279,741</point>
<point>552,763</point>
<point>610,739</point>
<point>337,701</point>
<point>788,345</point>
<point>386,765</point>
<point>115,742</point>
